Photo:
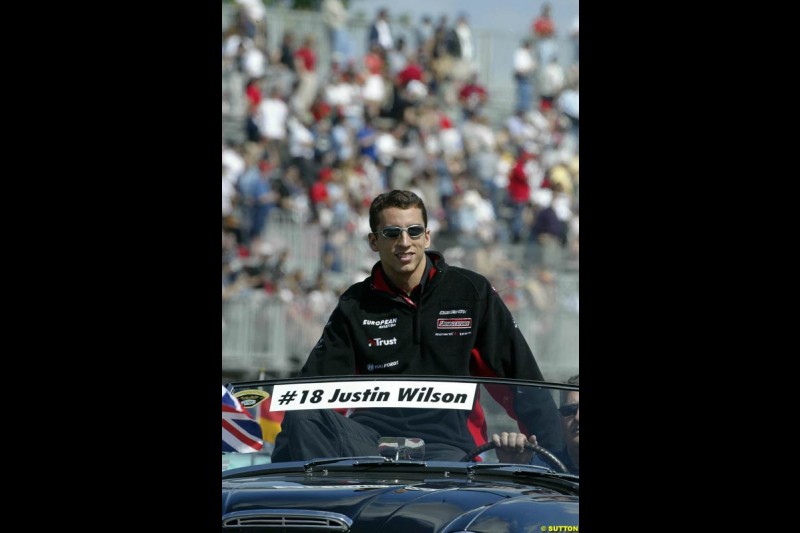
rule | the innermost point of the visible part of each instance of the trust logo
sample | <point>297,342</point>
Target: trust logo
<point>382,342</point>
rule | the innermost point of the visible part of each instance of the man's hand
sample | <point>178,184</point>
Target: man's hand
<point>510,447</point>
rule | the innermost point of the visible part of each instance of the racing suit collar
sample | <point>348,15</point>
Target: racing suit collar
<point>381,282</point>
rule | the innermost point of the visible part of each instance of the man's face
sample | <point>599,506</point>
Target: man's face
<point>402,258</point>
<point>571,423</point>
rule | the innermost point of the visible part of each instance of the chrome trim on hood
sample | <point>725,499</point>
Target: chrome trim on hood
<point>267,519</point>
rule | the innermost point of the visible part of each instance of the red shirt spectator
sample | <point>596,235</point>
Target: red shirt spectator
<point>472,95</point>
<point>320,109</point>
<point>318,193</point>
<point>413,71</point>
<point>253,93</point>
<point>543,26</point>
<point>306,55</point>
<point>373,61</point>
<point>519,190</point>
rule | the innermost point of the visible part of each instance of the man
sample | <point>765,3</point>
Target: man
<point>380,32</point>
<point>510,447</point>
<point>334,14</point>
<point>400,320</point>
<point>525,65</point>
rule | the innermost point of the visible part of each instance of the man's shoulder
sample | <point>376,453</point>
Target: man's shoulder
<point>356,290</point>
<point>456,273</point>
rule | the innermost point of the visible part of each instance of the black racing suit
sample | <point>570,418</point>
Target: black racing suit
<point>454,324</point>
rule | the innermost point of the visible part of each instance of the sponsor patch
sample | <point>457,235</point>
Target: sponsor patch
<point>251,397</point>
<point>372,367</point>
<point>382,342</point>
<point>382,324</point>
<point>453,323</point>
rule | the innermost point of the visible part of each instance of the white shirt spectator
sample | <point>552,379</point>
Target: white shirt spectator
<point>452,143</point>
<point>386,146</point>
<point>254,8</point>
<point>334,13</point>
<point>255,63</point>
<point>561,207</point>
<point>228,194</point>
<point>385,38</point>
<point>535,173</point>
<point>524,62</point>
<point>230,46</point>
<point>374,89</point>
<point>552,80</point>
<point>234,164</point>
<point>568,102</point>
<point>465,40</point>
<point>271,118</point>
<point>301,140</point>
<point>339,93</point>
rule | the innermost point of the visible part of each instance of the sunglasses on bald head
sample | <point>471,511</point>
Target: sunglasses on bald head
<point>393,232</point>
<point>568,410</point>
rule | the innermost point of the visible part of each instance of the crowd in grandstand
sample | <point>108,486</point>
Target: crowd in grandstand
<point>407,114</point>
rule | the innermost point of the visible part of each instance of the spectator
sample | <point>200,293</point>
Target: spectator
<point>334,14</point>
<point>460,47</point>
<point>270,118</point>
<point>524,69</point>
<point>305,64</point>
<point>544,33</point>
<point>472,97</point>
<point>424,33</point>
<point>380,32</point>
<point>551,81</point>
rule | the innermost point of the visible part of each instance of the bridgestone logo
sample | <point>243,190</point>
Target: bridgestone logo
<point>454,323</point>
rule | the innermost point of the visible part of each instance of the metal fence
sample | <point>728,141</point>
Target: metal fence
<point>263,333</point>
<point>275,333</point>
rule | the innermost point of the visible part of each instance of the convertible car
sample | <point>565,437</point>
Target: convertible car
<point>403,481</point>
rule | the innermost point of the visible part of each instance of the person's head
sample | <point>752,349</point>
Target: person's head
<point>402,251</point>
<point>570,414</point>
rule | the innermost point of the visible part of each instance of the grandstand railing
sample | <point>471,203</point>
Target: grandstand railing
<point>275,333</point>
<point>263,333</point>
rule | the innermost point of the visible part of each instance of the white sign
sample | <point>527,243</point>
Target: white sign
<point>354,394</point>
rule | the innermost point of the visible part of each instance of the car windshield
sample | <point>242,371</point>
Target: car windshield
<point>402,419</point>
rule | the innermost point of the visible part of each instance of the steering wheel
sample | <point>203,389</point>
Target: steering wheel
<point>546,454</point>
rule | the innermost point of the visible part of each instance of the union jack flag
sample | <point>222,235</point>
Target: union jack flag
<point>240,432</point>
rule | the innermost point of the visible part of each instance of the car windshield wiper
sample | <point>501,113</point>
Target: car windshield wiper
<point>370,460</point>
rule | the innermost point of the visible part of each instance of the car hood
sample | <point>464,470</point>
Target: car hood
<point>393,502</point>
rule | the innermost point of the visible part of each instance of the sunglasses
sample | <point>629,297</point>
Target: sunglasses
<point>393,232</point>
<point>568,410</point>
